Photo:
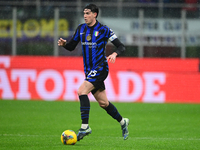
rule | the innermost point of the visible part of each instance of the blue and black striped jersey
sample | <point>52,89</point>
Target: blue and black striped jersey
<point>93,40</point>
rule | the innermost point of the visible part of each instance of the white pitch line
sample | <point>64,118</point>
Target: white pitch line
<point>158,138</point>
<point>24,135</point>
<point>134,138</point>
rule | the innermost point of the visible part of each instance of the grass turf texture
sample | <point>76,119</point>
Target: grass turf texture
<point>38,125</point>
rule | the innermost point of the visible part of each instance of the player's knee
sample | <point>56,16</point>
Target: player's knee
<point>80,92</point>
<point>103,104</point>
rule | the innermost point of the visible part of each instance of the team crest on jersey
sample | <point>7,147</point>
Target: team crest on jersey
<point>89,37</point>
<point>96,33</point>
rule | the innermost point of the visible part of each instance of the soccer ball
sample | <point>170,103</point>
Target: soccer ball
<point>68,137</point>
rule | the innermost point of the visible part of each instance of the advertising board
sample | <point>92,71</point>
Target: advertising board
<point>129,80</point>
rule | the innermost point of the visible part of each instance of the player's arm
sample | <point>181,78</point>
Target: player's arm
<point>120,47</point>
<point>71,45</point>
<point>67,45</point>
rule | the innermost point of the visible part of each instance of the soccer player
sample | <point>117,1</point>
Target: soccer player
<point>94,37</point>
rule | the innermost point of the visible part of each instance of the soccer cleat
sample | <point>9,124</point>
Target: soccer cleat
<point>125,132</point>
<point>83,132</point>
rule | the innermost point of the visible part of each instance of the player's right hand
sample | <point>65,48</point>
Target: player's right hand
<point>61,42</point>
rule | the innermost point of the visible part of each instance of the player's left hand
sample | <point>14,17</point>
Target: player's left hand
<point>111,58</point>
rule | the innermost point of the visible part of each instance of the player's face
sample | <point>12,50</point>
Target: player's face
<point>89,17</point>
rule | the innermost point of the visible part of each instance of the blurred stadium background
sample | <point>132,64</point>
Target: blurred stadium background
<point>148,28</point>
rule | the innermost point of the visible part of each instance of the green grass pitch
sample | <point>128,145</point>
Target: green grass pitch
<point>37,125</point>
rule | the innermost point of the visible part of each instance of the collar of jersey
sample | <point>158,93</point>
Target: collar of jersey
<point>93,25</point>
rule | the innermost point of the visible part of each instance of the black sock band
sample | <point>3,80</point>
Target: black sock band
<point>84,108</point>
<point>112,111</point>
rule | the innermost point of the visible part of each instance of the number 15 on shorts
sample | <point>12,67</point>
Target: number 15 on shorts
<point>92,73</point>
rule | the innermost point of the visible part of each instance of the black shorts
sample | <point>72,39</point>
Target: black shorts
<point>97,77</point>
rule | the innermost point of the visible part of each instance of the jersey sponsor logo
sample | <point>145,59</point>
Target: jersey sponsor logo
<point>90,44</point>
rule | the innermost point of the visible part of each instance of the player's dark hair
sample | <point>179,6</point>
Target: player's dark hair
<point>93,8</point>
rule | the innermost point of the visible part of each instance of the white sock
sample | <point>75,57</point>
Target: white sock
<point>84,126</point>
<point>122,122</point>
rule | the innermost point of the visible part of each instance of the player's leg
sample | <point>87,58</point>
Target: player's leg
<point>83,91</point>
<point>101,97</point>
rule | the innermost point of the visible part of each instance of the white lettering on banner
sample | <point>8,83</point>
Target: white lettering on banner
<point>124,78</point>
<point>5,60</point>
<point>23,75</point>
<point>131,86</point>
<point>73,79</point>
<point>57,90</point>
<point>5,86</point>
<point>151,88</point>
